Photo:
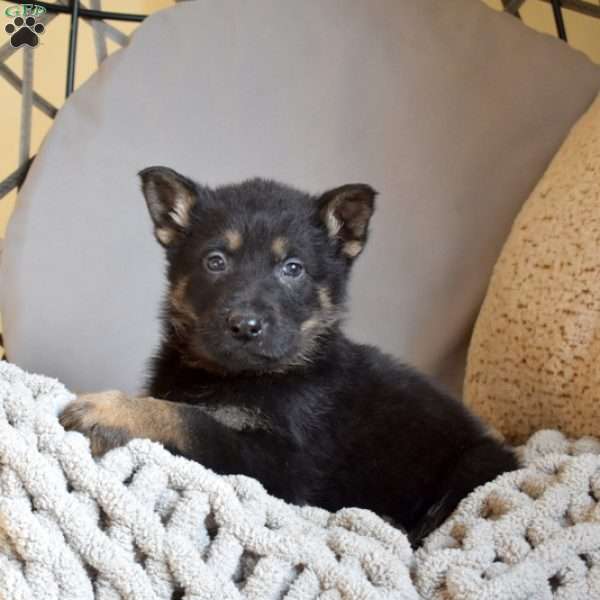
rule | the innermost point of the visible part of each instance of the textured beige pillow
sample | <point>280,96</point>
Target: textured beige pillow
<point>534,360</point>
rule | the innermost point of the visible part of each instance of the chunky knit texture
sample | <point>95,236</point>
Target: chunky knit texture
<point>531,534</point>
<point>141,524</point>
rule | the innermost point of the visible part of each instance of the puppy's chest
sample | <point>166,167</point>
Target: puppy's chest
<point>237,417</point>
<point>287,411</point>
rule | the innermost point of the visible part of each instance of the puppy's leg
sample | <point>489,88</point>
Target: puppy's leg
<point>110,419</point>
<point>476,467</point>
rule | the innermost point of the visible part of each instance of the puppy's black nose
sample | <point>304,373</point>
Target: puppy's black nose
<point>245,326</point>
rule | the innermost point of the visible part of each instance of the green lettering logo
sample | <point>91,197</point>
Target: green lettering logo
<point>25,10</point>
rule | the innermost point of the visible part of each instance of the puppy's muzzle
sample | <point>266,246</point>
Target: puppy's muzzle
<point>245,326</point>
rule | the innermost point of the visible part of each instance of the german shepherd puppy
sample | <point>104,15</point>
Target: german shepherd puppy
<point>255,376</point>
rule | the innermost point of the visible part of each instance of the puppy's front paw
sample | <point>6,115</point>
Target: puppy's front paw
<point>101,417</point>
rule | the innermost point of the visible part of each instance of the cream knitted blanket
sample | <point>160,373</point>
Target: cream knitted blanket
<point>143,524</point>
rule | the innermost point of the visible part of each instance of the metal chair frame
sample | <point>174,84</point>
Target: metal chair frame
<point>96,18</point>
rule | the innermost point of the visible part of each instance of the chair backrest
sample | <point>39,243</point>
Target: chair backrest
<point>449,109</point>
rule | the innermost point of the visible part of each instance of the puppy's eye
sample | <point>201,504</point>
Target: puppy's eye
<point>292,268</point>
<point>215,262</point>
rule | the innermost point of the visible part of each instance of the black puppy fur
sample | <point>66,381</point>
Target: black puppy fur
<point>262,381</point>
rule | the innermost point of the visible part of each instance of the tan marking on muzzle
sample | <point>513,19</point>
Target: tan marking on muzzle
<point>315,326</point>
<point>325,299</point>
<point>309,324</point>
<point>233,239</point>
<point>279,247</point>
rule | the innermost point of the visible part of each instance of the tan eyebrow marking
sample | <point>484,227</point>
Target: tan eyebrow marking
<point>233,238</point>
<point>279,247</point>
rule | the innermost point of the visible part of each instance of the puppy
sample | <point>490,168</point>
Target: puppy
<point>255,376</point>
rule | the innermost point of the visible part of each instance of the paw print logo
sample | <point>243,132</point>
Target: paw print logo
<point>24,32</point>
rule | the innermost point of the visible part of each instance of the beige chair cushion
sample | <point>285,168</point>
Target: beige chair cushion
<point>534,360</point>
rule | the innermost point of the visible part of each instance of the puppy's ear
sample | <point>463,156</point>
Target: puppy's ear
<point>346,211</point>
<point>170,197</point>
